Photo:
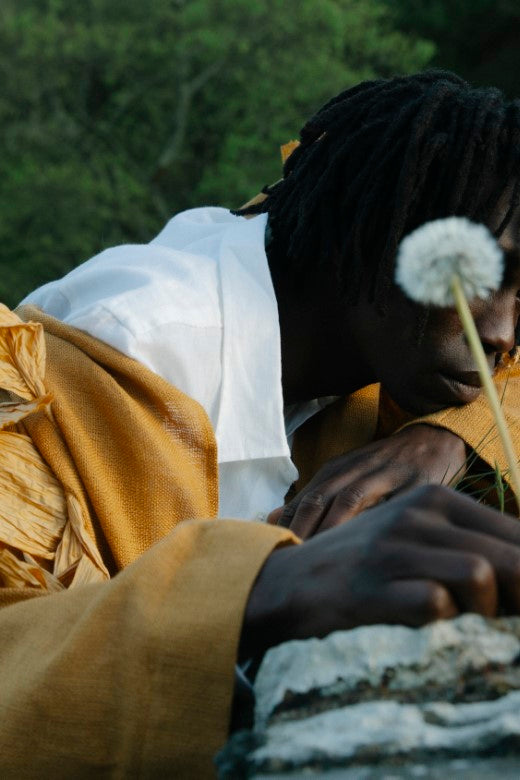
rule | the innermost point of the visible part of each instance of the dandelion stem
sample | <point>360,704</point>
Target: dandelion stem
<point>487,383</point>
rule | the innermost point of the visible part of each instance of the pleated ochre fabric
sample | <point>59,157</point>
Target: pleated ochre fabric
<point>138,454</point>
<point>44,543</point>
<point>131,676</point>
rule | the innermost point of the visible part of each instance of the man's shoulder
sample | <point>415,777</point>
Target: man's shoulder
<point>191,227</point>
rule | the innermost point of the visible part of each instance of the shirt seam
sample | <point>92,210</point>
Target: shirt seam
<point>126,326</point>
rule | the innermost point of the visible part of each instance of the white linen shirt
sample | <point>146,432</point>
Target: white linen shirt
<point>197,306</point>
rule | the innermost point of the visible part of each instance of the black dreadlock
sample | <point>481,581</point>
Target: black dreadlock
<point>382,158</point>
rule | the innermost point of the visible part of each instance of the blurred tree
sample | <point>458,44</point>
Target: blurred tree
<point>117,113</point>
<point>478,39</point>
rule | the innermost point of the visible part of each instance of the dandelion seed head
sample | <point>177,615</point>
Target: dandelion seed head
<point>429,258</point>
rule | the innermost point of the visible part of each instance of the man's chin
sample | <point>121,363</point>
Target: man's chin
<point>432,407</point>
<point>420,407</point>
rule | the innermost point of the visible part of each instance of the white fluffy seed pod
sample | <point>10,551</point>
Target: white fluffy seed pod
<point>429,258</point>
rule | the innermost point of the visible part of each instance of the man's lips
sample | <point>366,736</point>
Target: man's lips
<point>471,378</point>
<point>463,386</point>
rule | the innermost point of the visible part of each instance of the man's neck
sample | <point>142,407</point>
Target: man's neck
<point>318,356</point>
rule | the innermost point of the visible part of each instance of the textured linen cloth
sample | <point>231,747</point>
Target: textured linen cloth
<point>133,676</point>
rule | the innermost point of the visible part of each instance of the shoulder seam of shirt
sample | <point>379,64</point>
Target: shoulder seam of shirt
<point>106,310</point>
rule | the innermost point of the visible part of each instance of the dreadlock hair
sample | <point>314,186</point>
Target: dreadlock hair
<point>380,159</point>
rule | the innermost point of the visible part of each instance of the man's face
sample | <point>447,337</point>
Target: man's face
<point>426,374</point>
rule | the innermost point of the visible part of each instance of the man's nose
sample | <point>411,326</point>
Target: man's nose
<point>496,323</point>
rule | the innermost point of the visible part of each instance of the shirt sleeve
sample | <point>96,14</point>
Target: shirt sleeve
<point>133,677</point>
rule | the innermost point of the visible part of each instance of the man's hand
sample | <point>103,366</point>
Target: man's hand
<point>349,484</point>
<point>430,553</point>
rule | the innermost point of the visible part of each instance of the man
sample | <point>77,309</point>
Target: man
<point>373,164</point>
<point>135,675</point>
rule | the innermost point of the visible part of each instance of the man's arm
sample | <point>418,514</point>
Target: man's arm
<point>351,483</point>
<point>430,553</point>
<point>135,676</point>
<point>429,450</point>
<point>131,677</point>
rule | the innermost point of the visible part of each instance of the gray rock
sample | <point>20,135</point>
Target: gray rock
<point>382,730</point>
<point>374,661</point>
<point>384,701</point>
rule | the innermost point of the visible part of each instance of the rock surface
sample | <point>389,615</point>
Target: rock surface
<point>387,701</point>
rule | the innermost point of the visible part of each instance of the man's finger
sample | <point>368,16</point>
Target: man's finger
<point>485,520</point>
<point>415,602</point>
<point>339,499</point>
<point>465,512</point>
<point>361,495</point>
<point>274,517</point>
<point>305,518</point>
<point>468,575</point>
<point>503,554</point>
<point>329,505</point>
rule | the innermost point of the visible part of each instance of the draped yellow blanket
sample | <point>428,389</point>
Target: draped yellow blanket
<point>133,676</point>
<point>127,481</point>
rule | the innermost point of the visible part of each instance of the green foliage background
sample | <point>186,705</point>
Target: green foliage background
<point>117,113</point>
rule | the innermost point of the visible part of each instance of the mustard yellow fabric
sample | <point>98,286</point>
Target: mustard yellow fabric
<point>136,453</point>
<point>287,149</point>
<point>131,676</point>
<point>43,538</point>
<point>345,425</point>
